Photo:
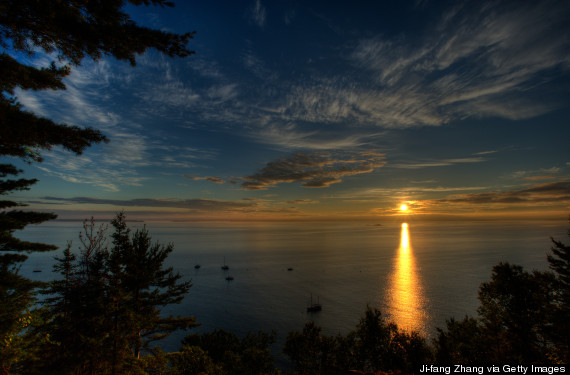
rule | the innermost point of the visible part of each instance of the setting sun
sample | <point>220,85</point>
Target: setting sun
<point>403,207</point>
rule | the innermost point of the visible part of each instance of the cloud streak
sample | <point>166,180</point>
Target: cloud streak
<point>209,205</point>
<point>479,60</point>
<point>291,136</point>
<point>87,170</point>
<point>315,170</point>
<point>555,192</point>
<point>257,13</point>
<point>531,175</point>
<point>438,163</point>
<point>216,180</point>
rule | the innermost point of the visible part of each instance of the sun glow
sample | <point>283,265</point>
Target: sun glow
<point>406,299</point>
<point>404,208</point>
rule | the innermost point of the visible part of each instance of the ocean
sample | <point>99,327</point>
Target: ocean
<point>418,273</point>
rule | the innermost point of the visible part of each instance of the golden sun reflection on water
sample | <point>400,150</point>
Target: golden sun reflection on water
<point>406,301</point>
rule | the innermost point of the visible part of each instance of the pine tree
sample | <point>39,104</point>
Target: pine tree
<point>71,30</point>
<point>105,309</point>
<point>559,262</point>
<point>16,296</point>
<point>514,314</point>
<point>76,308</point>
<point>145,285</point>
<point>223,352</point>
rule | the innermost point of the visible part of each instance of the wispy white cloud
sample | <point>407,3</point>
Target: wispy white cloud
<point>31,103</point>
<point>289,16</point>
<point>127,149</point>
<point>319,101</point>
<point>90,100</point>
<point>479,60</point>
<point>437,163</point>
<point>257,13</point>
<point>257,66</point>
<point>222,93</point>
<point>87,170</point>
<point>292,136</point>
<point>486,152</point>
<point>117,163</point>
<point>537,174</point>
<point>85,102</point>
<point>482,59</point>
<point>86,87</point>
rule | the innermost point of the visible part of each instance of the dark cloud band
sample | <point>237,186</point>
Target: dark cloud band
<point>313,170</point>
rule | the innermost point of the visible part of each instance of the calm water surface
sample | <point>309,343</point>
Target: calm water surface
<point>418,273</point>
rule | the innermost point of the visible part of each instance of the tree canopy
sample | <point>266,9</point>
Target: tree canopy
<point>105,309</point>
<point>522,318</point>
<point>66,32</point>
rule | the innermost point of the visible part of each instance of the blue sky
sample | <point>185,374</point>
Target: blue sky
<point>322,109</point>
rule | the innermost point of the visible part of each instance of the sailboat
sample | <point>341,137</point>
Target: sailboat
<point>314,307</point>
<point>225,267</point>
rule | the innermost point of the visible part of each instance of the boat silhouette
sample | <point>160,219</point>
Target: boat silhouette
<point>225,267</point>
<point>314,307</point>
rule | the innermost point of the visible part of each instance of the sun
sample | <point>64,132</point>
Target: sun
<point>404,208</point>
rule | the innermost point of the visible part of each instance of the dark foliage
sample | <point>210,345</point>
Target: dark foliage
<point>375,345</point>
<point>225,353</point>
<point>559,333</point>
<point>460,342</point>
<point>193,360</point>
<point>71,30</point>
<point>105,309</point>
<point>522,319</point>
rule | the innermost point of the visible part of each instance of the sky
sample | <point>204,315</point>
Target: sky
<point>298,110</point>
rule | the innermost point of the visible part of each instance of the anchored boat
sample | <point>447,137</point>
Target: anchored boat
<point>225,267</point>
<point>314,307</point>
